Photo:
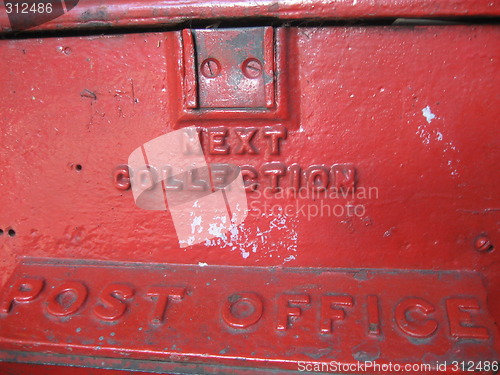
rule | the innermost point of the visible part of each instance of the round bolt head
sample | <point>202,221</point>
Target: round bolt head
<point>252,68</point>
<point>210,68</point>
<point>483,243</point>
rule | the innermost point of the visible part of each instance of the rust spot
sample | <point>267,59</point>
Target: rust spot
<point>99,14</point>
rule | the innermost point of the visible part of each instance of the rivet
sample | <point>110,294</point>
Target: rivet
<point>210,68</point>
<point>251,68</point>
<point>483,243</point>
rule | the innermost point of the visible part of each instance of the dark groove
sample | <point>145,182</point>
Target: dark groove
<point>250,22</point>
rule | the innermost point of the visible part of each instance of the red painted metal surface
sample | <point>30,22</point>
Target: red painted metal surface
<point>398,124</point>
<point>187,312</point>
<point>95,14</point>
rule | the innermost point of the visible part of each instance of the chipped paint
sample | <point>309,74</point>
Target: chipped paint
<point>429,135</point>
<point>196,224</point>
<point>249,240</point>
<point>218,229</point>
<point>429,116</point>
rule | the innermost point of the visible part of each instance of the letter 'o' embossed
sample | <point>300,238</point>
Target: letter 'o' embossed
<point>241,310</point>
<point>59,306</point>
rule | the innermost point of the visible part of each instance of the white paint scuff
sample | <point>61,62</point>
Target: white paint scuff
<point>249,240</point>
<point>196,224</point>
<point>429,134</point>
<point>429,116</point>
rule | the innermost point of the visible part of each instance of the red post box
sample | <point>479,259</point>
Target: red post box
<point>234,187</point>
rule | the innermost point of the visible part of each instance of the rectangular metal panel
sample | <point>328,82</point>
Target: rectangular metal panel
<point>258,317</point>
